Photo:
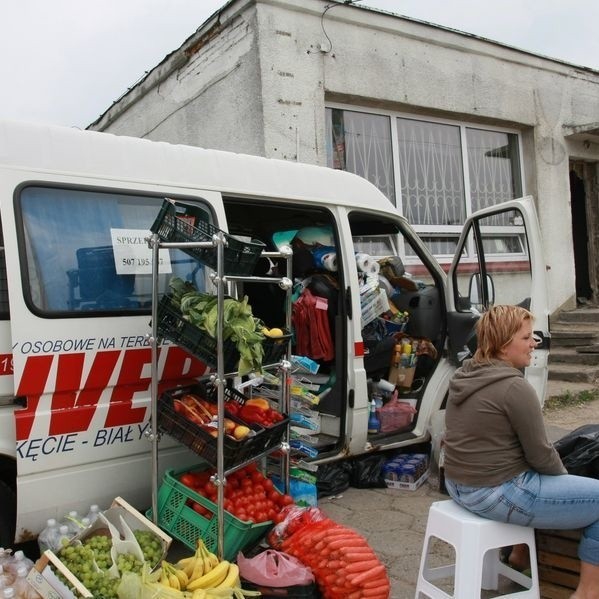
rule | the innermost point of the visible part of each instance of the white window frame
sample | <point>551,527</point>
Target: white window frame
<point>452,231</point>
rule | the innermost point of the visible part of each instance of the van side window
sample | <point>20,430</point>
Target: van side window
<point>4,309</point>
<point>86,252</point>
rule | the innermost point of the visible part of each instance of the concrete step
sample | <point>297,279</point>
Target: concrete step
<point>573,337</point>
<point>588,349</point>
<point>576,373</point>
<point>580,315</point>
<point>573,355</point>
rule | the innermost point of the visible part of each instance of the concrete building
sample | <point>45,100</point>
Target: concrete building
<point>442,121</point>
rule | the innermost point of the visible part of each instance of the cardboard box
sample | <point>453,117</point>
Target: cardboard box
<point>406,471</point>
<point>407,486</point>
<point>404,377</point>
<point>46,583</point>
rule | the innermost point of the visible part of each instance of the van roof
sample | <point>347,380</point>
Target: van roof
<point>104,155</point>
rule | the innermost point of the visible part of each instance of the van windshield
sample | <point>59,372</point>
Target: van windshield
<point>86,252</point>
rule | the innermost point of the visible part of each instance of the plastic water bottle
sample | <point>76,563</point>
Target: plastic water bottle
<point>64,536</point>
<point>6,579</point>
<point>48,538</point>
<point>19,560</point>
<point>73,522</point>
<point>94,510</point>
<point>5,556</point>
<point>9,593</point>
<point>23,590</point>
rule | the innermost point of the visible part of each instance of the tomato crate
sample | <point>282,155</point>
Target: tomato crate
<point>178,222</point>
<point>180,520</point>
<point>201,441</point>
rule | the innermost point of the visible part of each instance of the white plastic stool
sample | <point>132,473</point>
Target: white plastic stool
<point>477,543</point>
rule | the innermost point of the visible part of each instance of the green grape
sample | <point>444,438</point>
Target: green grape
<point>150,544</point>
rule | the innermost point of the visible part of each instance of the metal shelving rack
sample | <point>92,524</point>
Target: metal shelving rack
<point>219,378</point>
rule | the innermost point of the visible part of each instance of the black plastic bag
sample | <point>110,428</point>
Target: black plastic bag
<point>332,478</point>
<point>579,451</point>
<point>367,472</point>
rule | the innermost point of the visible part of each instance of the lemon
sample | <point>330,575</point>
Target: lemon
<point>274,332</point>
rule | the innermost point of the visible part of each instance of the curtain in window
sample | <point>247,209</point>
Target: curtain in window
<point>70,256</point>
<point>493,167</point>
<point>361,144</point>
<point>430,163</point>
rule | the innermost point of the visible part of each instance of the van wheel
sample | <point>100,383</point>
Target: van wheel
<point>8,515</point>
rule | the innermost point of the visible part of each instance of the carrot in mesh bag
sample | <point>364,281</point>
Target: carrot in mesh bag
<point>343,563</point>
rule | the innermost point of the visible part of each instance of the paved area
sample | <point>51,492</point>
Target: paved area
<point>394,521</point>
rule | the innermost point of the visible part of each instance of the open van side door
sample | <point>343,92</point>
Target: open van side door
<point>499,260</point>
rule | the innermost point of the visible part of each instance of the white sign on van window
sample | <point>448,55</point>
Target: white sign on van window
<point>133,256</point>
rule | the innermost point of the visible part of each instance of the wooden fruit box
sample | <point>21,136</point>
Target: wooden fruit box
<point>557,559</point>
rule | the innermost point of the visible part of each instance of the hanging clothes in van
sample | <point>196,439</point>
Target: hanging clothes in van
<point>311,326</point>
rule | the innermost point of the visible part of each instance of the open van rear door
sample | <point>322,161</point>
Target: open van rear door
<point>499,260</point>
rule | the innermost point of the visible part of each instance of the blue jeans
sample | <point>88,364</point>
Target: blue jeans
<point>540,501</point>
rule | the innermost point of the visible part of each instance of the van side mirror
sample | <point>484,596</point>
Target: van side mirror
<point>475,290</point>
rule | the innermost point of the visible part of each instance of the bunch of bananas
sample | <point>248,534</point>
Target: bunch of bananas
<point>204,576</point>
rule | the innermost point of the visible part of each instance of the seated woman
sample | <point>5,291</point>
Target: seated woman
<point>499,463</point>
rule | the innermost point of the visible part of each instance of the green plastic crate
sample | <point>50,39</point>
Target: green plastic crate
<point>183,523</point>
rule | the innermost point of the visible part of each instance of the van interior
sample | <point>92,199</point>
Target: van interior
<point>401,302</point>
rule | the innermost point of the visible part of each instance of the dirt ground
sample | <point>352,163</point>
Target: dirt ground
<point>572,417</point>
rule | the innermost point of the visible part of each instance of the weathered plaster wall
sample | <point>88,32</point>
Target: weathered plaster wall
<point>258,83</point>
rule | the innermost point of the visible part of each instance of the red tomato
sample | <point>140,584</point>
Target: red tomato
<point>286,499</point>
<point>188,480</point>
<point>200,509</point>
<point>279,517</point>
<point>268,484</point>
<point>257,476</point>
<point>242,515</point>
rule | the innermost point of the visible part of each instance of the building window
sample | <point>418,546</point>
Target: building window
<point>445,170</point>
<point>361,143</point>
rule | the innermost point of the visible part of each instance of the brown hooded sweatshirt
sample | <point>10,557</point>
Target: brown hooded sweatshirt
<point>494,427</point>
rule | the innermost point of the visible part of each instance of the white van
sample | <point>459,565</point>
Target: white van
<point>75,314</point>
